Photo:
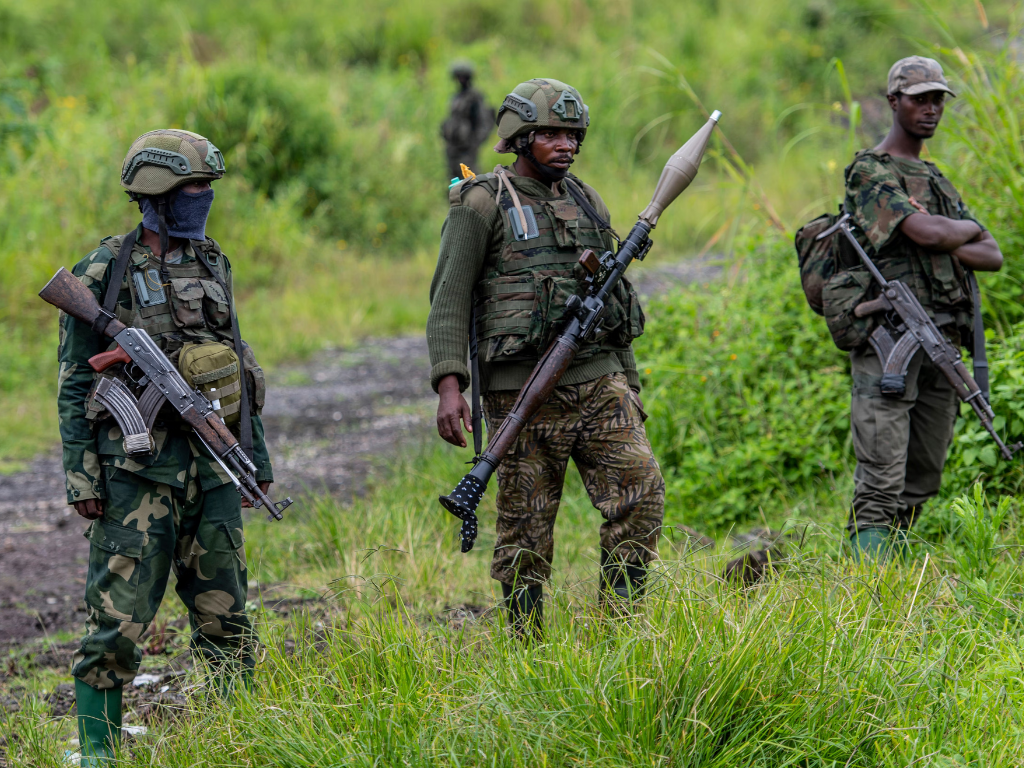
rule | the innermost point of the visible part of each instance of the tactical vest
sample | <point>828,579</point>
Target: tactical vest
<point>192,308</point>
<point>520,302</point>
<point>937,279</point>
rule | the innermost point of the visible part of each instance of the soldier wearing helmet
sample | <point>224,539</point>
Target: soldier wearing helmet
<point>173,508</point>
<point>509,260</point>
<point>468,123</point>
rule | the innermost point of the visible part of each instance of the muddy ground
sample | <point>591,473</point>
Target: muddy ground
<point>328,421</point>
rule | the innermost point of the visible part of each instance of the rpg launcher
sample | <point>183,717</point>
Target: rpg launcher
<point>585,315</point>
<point>163,382</point>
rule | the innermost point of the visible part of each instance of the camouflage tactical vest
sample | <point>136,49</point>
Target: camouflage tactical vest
<point>520,302</point>
<point>937,279</point>
<point>192,308</point>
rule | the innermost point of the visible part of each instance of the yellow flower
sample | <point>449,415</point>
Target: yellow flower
<point>342,245</point>
<point>647,371</point>
<point>382,227</point>
<point>732,356</point>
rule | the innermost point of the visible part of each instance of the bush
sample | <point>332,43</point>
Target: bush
<point>750,397</point>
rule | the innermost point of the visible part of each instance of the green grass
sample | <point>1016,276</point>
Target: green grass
<point>829,663</point>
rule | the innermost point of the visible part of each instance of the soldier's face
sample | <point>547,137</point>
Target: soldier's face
<point>919,115</point>
<point>555,147</point>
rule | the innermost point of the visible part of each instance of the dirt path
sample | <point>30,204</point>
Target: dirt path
<point>328,421</point>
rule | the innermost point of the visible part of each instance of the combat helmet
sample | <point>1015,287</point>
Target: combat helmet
<point>162,160</point>
<point>540,103</point>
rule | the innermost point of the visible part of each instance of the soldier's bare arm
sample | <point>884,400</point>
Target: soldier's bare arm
<point>982,254</point>
<point>938,233</point>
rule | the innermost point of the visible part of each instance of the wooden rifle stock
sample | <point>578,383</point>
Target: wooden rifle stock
<point>68,294</point>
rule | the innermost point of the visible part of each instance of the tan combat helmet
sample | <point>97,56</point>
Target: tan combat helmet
<point>540,103</point>
<point>161,160</point>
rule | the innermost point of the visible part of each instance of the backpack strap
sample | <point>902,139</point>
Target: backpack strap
<point>245,416</point>
<point>117,273</point>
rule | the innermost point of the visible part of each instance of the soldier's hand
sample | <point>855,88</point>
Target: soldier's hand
<point>264,486</point>
<point>90,509</point>
<point>452,412</point>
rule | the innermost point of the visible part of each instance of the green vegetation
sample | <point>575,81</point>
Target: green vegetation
<point>328,114</point>
<point>830,664</point>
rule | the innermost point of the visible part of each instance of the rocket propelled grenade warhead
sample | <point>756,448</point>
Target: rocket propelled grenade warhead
<point>680,171</point>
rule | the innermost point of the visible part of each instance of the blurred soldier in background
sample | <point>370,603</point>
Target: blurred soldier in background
<point>468,124</point>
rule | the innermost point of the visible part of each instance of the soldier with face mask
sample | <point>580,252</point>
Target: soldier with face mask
<point>173,508</point>
<point>509,258</point>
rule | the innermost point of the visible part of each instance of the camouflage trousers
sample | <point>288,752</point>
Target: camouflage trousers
<point>147,530</point>
<point>900,443</point>
<point>599,425</point>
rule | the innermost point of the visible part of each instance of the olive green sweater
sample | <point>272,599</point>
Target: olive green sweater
<point>473,231</point>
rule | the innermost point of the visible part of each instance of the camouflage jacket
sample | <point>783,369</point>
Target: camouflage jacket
<point>520,284</point>
<point>469,120</point>
<point>878,192</point>
<point>91,438</point>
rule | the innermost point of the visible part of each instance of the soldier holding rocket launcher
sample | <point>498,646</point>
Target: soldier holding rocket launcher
<point>554,322</point>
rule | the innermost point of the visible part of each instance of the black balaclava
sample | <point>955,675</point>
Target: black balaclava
<point>522,148</point>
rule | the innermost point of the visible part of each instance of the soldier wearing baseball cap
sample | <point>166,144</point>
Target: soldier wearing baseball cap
<point>917,229</point>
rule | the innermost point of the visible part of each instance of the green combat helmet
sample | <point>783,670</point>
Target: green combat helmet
<point>161,160</point>
<point>540,103</point>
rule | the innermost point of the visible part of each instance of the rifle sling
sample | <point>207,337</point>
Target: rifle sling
<point>978,354</point>
<point>578,195</point>
<point>474,377</point>
<point>117,273</point>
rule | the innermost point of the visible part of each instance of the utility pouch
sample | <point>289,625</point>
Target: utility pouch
<point>840,295</point>
<point>548,313</point>
<point>213,369</point>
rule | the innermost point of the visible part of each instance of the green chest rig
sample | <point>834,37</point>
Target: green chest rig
<point>519,304</point>
<point>937,279</point>
<point>185,315</point>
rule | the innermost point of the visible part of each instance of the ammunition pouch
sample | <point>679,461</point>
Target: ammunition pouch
<point>214,369</point>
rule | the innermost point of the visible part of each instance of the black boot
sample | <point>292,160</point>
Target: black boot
<point>525,606</point>
<point>622,581</point>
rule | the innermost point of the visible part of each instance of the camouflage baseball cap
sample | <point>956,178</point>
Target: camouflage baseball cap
<point>917,74</point>
<point>161,160</point>
<point>540,103</point>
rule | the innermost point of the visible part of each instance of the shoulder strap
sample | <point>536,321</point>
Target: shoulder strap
<point>580,197</point>
<point>117,273</point>
<point>245,423</point>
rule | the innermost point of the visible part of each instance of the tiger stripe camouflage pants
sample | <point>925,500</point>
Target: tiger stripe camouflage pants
<point>600,426</point>
<point>147,530</point>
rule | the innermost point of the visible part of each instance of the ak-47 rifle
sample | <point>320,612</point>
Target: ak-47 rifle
<point>585,316</point>
<point>918,332</point>
<point>135,347</point>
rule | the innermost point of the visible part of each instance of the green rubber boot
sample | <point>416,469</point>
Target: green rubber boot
<point>99,724</point>
<point>901,544</point>
<point>871,544</point>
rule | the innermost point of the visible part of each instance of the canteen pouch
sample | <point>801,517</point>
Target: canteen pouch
<point>213,369</point>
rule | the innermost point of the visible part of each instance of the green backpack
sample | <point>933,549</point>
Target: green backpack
<point>834,281</point>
